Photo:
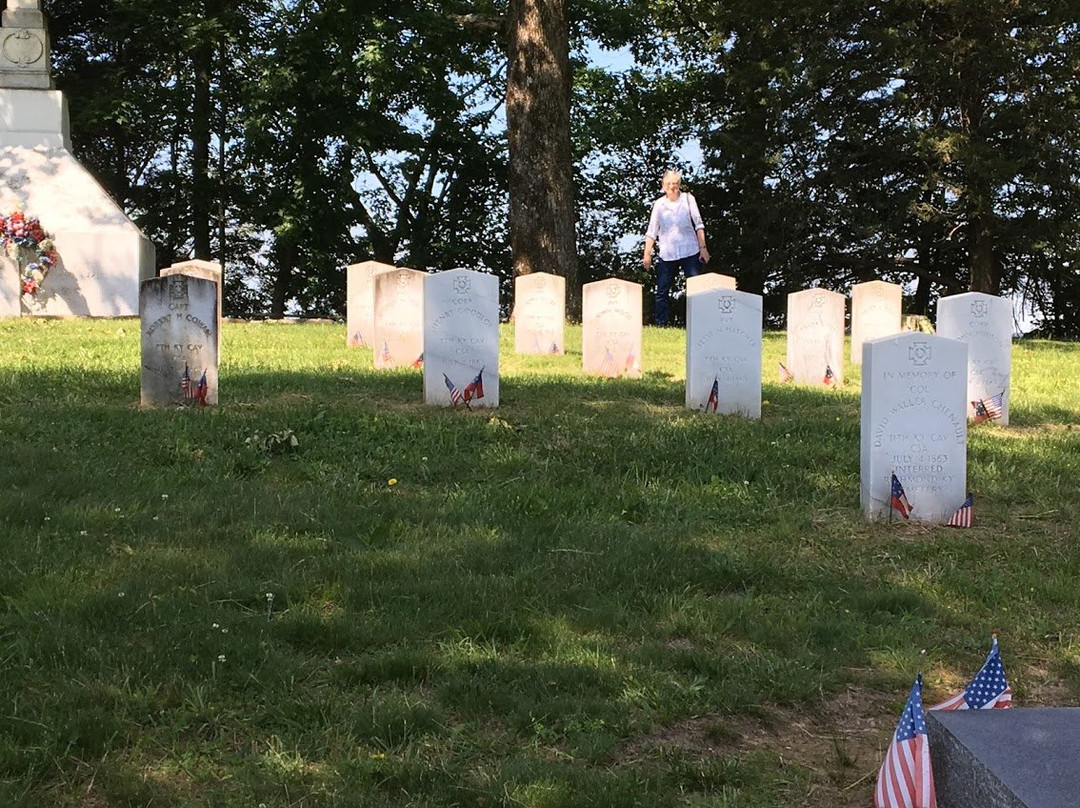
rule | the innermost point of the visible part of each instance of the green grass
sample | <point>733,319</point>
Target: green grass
<point>587,597</point>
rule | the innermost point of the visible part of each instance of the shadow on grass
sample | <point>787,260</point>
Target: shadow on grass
<point>452,605</point>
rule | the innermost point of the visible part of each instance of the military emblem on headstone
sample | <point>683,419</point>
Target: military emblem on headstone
<point>919,353</point>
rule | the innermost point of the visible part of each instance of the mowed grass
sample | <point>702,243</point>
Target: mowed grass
<point>324,593</point>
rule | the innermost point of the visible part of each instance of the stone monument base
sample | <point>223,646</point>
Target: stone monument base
<point>1016,758</point>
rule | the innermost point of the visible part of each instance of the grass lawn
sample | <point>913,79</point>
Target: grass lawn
<point>323,593</point>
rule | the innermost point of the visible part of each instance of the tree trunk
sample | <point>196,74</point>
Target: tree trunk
<point>542,213</point>
<point>201,188</point>
<point>985,267</point>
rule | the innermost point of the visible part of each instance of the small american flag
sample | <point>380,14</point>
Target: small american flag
<point>830,377</point>
<point>185,384</point>
<point>906,779</point>
<point>418,362</point>
<point>554,347</point>
<point>989,409</point>
<point>631,359</point>
<point>607,367</point>
<point>898,499</point>
<point>201,390</point>
<point>785,374</point>
<point>714,395</point>
<point>455,394</point>
<point>989,690</point>
<point>385,353</point>
<point>964,514</point>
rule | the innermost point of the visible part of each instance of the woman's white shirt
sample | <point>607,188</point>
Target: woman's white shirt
<point>674,225</point>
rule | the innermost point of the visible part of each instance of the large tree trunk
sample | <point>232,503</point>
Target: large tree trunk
<point>201,113</point>
<point>985,266</point>
<point>542,213</point>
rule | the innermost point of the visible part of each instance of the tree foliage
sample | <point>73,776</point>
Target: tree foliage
<point>928,142</point>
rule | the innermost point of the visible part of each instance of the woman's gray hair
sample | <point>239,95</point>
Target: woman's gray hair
<point>671,172</point>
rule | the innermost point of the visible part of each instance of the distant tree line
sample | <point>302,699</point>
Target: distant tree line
<point>930,142</point>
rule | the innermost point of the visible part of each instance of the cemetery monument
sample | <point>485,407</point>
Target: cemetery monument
<point>100,255</point>
<point>815,337</point>
<point>875,313</point>
<point>913,428</point>
<point>461,339</point>
<point>360,303</point>
<point>611,328</point>
<point>984,324</point>
<point>539,313</point>
<point>178,319</point>
<point>398,324</point>
<point>723,352</point>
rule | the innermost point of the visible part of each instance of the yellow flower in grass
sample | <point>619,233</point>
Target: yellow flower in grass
<point>392,481</point>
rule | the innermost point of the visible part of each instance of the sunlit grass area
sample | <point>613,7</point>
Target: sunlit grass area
<point>324,593</point>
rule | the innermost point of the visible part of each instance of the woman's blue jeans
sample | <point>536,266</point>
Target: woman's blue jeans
<point>666,273</point>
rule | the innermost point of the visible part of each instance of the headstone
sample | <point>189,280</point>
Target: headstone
<point>10,288</point>
<point>178,321</point>
<point>913,426</point>
<point>706,281</point>
<point>875,313</point>
<point>399,318</point>
<point>611,328</point>
<point>815,337</point>
<point>360,303</point>
<point>1005,758</point>
<point>723,352</point>
<point>102,254</point>
<point>984,323</point>
<point>539,313</point>
<point>461,339</point>
<point>207,270</point>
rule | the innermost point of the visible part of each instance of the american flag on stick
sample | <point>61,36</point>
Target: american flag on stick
<point>785,374</point>
<point>607,367</point>
<point>906,779</point>
<point>989,409</point>
<point>455,394</point>
<point>964,514</point>
<point>714,396</point>
<point>989,690</point>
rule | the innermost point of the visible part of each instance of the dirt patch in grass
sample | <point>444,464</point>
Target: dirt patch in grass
<point>833,746</point>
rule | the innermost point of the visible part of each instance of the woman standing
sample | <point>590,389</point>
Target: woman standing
<point>676,223</point>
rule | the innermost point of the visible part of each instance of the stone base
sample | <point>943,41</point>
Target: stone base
<point>10,288</point>
<point>103,256</point>
<point>1016,758</point>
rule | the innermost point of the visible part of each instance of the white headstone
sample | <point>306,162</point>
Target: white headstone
<point>461,339</point>
<point>815,337</point>
<point>207,270</point>
<point>178,322</point>
<point>539,313</point>
<point>984,323</point>
<point>10,288</point>
<point>875,313</point>
<point>611,328</point>
<point>706,281</point>
<point>399,318</point>
<point>913,425</point>
<point>723,352</point>
<point>360,303</point>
